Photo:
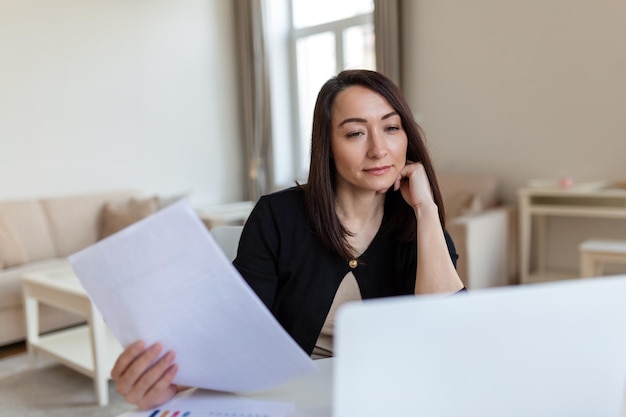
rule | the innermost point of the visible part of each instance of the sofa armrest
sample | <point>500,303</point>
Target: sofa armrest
<point>485,244</point>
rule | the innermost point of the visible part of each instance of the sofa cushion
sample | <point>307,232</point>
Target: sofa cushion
<point>11,250</point>
<point>75,221</point>
<point>118,215</point>
<point>165,201</point>
<point>467,194</point>
<point>30,225</point>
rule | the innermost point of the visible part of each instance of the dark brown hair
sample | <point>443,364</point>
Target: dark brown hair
<point>320,187</point>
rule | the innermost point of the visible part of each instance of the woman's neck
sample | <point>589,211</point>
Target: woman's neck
<point>361,216</point>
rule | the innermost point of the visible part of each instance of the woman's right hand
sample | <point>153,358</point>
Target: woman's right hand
<point>140,379</point>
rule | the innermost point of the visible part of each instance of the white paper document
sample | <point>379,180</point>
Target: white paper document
<point>164,279</point>
<point>212,404</point>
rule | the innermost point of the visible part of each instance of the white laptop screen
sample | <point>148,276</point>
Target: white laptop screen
<point>556,349</point>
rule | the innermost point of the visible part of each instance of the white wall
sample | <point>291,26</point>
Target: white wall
<point>97,95</point>
<point>524,90</point>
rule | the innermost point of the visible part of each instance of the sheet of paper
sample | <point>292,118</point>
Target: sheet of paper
<point>211,404</point>
<point>165,279</point>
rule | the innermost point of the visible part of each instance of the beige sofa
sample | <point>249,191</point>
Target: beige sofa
<point>40,233</point>
<point>483,229</point>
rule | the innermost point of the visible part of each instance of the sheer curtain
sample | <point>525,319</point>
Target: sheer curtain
<point>255,96</point>
<point>387,27</point>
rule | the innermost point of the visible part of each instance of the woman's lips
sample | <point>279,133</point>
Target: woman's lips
<point>378,170</point>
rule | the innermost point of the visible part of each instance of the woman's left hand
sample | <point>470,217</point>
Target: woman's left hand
<point>414,186</point>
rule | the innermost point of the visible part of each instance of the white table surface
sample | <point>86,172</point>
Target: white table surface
<point>310,395</point>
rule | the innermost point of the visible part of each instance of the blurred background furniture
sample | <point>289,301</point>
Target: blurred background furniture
<point>37,235</point>
<point>595,253</point>
<point>539,203</point>
<point>90,349</point>
<point>225,214</point>
<point>482,228</point>
<point>228,239</point>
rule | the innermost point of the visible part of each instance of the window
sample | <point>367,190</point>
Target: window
<point>327,36</point>
<point>309,42</point>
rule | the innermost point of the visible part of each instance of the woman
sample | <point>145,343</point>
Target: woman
<point>371,208</point>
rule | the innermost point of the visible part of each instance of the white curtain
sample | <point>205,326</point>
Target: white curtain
<point>255,96</point>
<point>387,26</point>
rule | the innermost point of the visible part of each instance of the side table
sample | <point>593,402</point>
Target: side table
<point>89,349</point>
<point>540,203</point>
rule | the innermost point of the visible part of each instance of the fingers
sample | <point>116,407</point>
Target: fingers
<point>410,168</point>
<point>139,375</point>
<point>141,378</point>
<point>396,184</point>
<point>414,184</point>
<point>407,172</point>
<point>124,360</point>
<point>155,386</point>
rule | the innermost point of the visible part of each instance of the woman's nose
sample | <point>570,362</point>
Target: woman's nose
<point>377,147</point>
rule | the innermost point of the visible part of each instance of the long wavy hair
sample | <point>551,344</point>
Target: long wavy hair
<point>319,190</point>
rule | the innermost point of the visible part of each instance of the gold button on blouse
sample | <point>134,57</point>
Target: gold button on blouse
<point>352,263</point>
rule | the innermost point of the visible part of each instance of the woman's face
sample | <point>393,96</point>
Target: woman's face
<point>368,142</point>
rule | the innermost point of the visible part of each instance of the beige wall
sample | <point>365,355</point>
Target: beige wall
<point>106,94</point>
<point>532,89</point>
<point>523,89</point>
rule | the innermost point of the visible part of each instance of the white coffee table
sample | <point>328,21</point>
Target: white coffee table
<point>89,349</point>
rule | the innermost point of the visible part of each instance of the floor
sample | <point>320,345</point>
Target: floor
<point>13,349</point>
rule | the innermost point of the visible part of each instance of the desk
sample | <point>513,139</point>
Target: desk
<point>310,395</point>
<point>89,349</point>
<point>539,203</point>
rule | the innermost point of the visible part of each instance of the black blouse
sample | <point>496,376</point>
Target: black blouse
<point>286,264</point>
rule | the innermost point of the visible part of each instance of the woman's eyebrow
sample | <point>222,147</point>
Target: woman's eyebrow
<point>352,120</point>
<point>388,115</point>
<point>360,120</point>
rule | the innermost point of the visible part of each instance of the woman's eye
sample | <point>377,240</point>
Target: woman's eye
<point>354,134</point>
<point>393,128</point>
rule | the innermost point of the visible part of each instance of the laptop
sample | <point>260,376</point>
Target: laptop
<point>552,349</point>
